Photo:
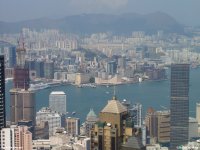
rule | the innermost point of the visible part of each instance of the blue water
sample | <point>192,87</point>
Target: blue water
<point>149,93</point>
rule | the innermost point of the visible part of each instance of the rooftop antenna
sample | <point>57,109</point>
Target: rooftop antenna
<point>114,94</point>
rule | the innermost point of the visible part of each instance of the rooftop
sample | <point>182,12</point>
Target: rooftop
<point>114,106</point>
<point>57,93</point>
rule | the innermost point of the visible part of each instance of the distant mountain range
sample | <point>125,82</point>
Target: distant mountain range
<point>93,23</point>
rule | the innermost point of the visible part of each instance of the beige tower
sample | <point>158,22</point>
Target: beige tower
<point>22,105</point>
<point>113,128</point>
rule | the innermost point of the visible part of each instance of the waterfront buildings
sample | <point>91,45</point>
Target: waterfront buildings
<point>22,105</point>
<point>57,101</point>
<point>179,105</point>
<point>16,137</point>
<point>39,68</point>
<point>2,95</point>
<point>82,78</point>
<point>73,126</point>
<point>49,69</point>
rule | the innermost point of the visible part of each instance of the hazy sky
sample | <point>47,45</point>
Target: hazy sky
<point>184,11</point>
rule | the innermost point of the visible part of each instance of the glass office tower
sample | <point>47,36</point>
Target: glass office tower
<point>2,94</point>
<point>179,105</point>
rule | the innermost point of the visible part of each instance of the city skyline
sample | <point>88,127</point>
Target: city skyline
<point>65,61</point>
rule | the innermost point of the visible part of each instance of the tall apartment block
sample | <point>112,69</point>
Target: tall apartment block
<point>179,105</point>
<point>73,126</point>
<point>158,126</point>
<point>16,137</point>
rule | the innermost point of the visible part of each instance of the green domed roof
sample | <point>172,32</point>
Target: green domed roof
<point>91,113</point>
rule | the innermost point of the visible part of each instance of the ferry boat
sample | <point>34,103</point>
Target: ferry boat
<point>39,86</point>
<point>8,79</point>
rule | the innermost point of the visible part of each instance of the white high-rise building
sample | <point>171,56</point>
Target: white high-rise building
<point>136,111</point>
<point>57,101</point>
<point>54,119</point>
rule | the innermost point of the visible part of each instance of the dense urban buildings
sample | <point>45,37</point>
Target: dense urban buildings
<point>2,96</point>
<point>48,58</point>
<point>179,107</point>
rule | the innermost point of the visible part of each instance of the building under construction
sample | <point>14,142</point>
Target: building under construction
<point>21,73</point>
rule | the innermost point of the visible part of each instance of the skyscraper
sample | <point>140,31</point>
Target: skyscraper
<point>137,114</point>
<point>22,106</point>
<point>114,128</point>
<point>179,105</point>
<point>57,101</point>
<point>2,94</point>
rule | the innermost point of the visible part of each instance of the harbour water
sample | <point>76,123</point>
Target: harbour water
<point>154,94</point>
